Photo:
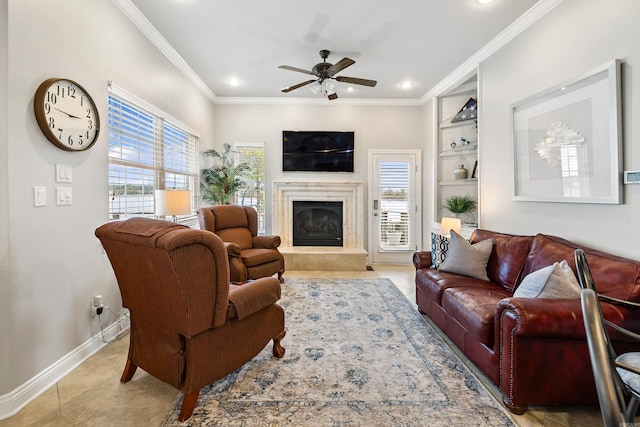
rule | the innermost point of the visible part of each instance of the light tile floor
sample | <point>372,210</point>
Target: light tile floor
<point>93,395</point>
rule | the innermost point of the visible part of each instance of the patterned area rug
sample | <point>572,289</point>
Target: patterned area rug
<point>358,353</point>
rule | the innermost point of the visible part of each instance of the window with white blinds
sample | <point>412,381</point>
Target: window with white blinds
<point>253,191</point>
<point>147,151</point>
<point>396,213</point>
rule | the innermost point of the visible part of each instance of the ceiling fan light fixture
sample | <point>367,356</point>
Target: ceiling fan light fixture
<point>316,88</point>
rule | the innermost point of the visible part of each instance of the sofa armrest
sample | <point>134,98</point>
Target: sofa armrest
<point>422,259</point>
<point>541,317</point>
<point>254,296</point>
<point>233,249</point>
<point>266,242</point>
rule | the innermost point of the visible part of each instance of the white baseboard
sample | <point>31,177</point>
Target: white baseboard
<point>11,403</point>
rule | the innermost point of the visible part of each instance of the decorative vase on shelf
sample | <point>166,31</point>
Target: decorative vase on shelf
<point>461,173</point>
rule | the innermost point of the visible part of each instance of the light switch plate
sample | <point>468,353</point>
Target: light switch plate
<point>63,173</point>
<point>39,196</point>
<point>63,196</point>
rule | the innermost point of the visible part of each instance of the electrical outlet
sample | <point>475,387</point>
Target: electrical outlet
<point>96,305</point>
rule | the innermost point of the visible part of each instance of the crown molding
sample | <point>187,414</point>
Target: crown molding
<point>459,75</point>
<point>317,101</point>
<point>469,67</point>
<point>142,23</point>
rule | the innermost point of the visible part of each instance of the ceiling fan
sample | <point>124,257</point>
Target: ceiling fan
<point>325,72</point>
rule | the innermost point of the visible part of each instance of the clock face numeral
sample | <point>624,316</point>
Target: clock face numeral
<point>68,114</point>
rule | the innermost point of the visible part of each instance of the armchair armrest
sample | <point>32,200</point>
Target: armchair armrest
<point>422,259</point>
<point>266,242</point>
<point>254,296</point>
<point>233,249</point>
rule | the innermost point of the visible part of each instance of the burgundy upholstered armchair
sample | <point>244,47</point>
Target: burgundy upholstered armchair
<point>250,256</point>
<point>189,326</point>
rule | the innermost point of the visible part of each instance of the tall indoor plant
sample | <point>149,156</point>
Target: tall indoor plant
<point>221,181</point>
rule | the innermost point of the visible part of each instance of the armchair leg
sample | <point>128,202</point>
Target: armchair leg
<point>188,405</point>
<point>280,278</point>
<point>129,370</point>
<point>278,350</point>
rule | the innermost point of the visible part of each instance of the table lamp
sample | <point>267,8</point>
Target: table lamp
<point>173,203</point>
<point>447,224</point>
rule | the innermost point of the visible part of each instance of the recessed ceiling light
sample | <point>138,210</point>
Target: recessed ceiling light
<point>406,84</point>
<point>482,2</point>
<point>234,81</point>
<point>350,89</point>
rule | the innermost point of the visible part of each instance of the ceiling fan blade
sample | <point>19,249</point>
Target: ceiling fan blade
<point>299,85</point>
<point>339,66</point>
<point>356,81</point>
<point>332,96</point>
<point>299,70</point>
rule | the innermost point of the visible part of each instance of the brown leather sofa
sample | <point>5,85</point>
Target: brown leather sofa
<point>533,349</point>
<point>250,256</point>
<point>189,327</point>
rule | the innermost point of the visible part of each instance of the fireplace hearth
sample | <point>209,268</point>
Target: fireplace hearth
<point>317,223</point>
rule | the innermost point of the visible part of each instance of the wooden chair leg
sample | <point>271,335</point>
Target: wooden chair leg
<point>129,370</point>
<point>280,278</point>
<point>188,405</point>
<point>278,350</point>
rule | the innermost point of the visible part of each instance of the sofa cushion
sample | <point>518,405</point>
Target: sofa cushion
<point>474,309</point>
<point>554,281</point>
<point>613,276</point>
<point>253,257</point>
<point>467,259</point>
<point>507,256</point>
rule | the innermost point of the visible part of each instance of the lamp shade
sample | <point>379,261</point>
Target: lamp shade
<point>447,224</point>
<point>173,202</point>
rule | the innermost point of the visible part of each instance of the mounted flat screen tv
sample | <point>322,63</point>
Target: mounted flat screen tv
<point>308,151</point>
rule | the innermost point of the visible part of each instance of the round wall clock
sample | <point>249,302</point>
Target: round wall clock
<point>66,114</point>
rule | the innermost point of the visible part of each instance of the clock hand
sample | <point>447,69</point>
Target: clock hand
<point>64,112</point>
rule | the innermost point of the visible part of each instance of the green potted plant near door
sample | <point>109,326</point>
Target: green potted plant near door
<point>221,181</point>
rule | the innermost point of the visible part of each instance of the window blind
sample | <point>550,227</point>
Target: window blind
<point>146,153</point>
<point>395,204</point>
<point>253,193</point>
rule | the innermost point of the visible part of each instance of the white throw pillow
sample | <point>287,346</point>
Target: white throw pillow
<point>467,259</point>
<point>554,281</point>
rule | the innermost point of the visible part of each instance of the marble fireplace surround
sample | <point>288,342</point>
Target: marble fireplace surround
<point>352,254</point>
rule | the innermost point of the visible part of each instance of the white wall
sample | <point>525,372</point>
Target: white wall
<point>379,127</point>
<point>56,264</point>
<point>577,36</point>
<point>5,302</point>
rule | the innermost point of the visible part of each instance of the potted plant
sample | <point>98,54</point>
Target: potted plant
<point>221,181</point>
<point>394,235</point>
<point>459,205</point>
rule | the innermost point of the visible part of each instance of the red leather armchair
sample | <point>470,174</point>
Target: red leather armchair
<point>189,327</point>
<point>250,256</point>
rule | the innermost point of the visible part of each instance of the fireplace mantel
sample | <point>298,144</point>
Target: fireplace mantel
<point>348,192</point>
<point>351,195</point>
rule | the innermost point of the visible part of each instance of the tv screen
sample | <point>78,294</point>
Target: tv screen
<point>309,151</point>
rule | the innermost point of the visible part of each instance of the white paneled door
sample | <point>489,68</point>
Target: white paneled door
<point>394,205</point>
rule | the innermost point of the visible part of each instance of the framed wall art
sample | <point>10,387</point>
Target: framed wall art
<point>567,141</point>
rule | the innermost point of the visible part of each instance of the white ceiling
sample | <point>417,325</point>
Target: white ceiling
<point>391,41</point>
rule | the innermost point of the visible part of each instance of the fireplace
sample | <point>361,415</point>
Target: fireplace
<point>317,223</point>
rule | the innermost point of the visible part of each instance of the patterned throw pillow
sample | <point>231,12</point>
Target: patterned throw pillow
<point>439,249</point>
<point>553,281</point>
<point>467,259</point>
